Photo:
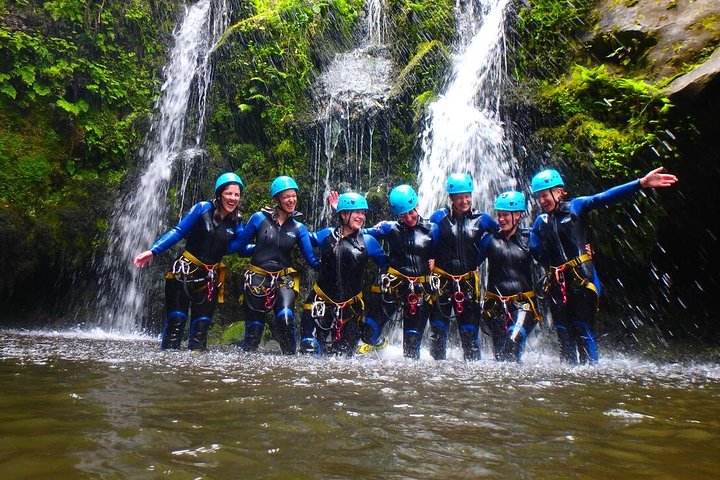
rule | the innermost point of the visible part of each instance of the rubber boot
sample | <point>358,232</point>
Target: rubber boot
<point>172,334</point>
<point>568,346</point>
<point>438,339</point>
<point>284,331</point>
<point>587,345</point>
<point>197,338</point>
<point>470,342</point>
<point>411,344</point>
<point>310,346</point>
<point>253,335</point>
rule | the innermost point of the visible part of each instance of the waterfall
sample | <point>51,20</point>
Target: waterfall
<point>463,131</point>
<point>170,151</point>
<point>350,97</point>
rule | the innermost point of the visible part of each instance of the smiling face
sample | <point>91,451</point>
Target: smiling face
<point>353,219</point>
<point>230,197</point>
<point>548,198</point>
<point>287,200</point>
<point>461,202</point>
<point>508,221</point>
<point>410,218</point>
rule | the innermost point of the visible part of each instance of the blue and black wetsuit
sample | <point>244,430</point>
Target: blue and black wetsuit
<point>406,285</point>
<point>271,284</point>
<point>197,275</point>
<point>558,241</point>
<point>509,309</point>
<point>458,285</point>
<point>334,307</point>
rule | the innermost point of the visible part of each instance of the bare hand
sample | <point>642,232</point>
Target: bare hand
<point>657,179</point>
<point>332,199</point>
<point>143,259</point>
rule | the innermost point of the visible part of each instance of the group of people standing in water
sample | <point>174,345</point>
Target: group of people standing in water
<point>428,270</point>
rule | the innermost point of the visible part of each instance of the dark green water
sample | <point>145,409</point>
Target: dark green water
<point>84,406</point>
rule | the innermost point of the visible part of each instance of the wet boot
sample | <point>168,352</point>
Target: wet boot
<point>310,346</point>
<point>586,344</point>
<point>568,346</point>
<point>411,344</point>
<point>470,342</point>
<point>284,331</point>
<point>438,339</point>
<point>197,338</point>
<point>253,335</point>
<point>172,334</point>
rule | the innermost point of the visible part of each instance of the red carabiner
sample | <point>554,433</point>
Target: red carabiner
<point>269,298</point>
<point>459,299</point>
<point>412,299</point>
<point>560,279</point>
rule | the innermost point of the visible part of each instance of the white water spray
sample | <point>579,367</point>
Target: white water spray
<point>463,130</point>
<point>171,149</point>
<point>352,94</point>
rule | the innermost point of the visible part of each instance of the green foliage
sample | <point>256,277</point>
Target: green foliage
<point>603,120</point>
<point>77,81</point>
<point>548,32</point>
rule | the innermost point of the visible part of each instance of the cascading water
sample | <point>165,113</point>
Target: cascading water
<point>352,94</point>
<point>463,130</point>
<point>171,150</point>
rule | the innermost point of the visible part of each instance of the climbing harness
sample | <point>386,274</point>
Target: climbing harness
<point>557,275</point>
<point>319,305</point>
<point>269,283</point>
<point>458,296</point>
<point>214,278</point>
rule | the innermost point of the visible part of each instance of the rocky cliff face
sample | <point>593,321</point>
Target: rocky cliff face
<point>675,42</point>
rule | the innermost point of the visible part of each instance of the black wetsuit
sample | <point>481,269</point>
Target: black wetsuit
<point>270,282</point>
<point>406,285</point>
<point>558,240</point>
<point>509,310</point>
<point>334,307</point>
<point>458,289</point>
<point>195,278</point>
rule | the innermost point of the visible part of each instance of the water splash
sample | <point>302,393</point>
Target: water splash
<point>171,150</point>
<point>463,128</point>
<point>351,97</point>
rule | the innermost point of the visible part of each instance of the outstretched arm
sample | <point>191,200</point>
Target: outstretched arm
<point>657,179</point>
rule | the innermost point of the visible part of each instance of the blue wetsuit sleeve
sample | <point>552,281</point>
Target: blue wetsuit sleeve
<point>247,251</point>
<point>375,251</point>
<point>487,222</point>
<point>435,235</point>
<point>318,237</point>
<point>306,247</point>
<point>241,242</point>
<point>179,231</point>
<point>535,244</point>
<point>482,248</point>
<point>379,231</point>
<point>438,215</point>
<point>608,197</point>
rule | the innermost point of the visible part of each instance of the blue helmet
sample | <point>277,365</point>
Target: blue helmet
<point>225,179</point>
<point>510,201</point>
<point>402,199</point>
<point>351,201</point>
<point>459,183</point>
<point>546,179</point>
<point>282,183</point>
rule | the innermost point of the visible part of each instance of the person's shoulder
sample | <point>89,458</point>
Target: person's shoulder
<point>439,214</point>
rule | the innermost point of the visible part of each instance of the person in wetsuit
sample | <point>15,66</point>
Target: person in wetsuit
<point>509,309</point>
<point>271,284</point>
<point>411,243</point>
<point>559,239</point>
<point>196,281</point>
<point>334,307</point>
<point>455,270</point>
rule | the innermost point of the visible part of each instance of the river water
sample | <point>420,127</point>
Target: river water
<point>88,405</point>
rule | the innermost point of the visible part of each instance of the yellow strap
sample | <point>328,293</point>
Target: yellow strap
<point>517,297</point>
<point>575,262</point>
<point>326,298</point>
<point>421,279</point>
<point>279,273</point>
<point>464,276</point>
